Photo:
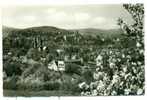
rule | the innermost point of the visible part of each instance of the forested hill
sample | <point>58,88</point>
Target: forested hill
<point>101,32</point>
<point>55,31</point>
<point>43,30</point>
<point>53,37</point>
<point>8,30</point>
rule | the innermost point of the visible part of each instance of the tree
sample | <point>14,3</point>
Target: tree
<point>88,75</point>
<point>34,54</point>
<point>13,68</point>
<point>72,68</point>
<point>134,31</point>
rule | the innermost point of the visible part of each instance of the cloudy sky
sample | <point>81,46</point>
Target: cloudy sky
<point>68,17</point>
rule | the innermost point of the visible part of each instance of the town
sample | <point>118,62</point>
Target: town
<point>53,61</point>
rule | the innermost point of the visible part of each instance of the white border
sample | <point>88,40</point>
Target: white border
<point>4,3</point>
<point>64,2</point>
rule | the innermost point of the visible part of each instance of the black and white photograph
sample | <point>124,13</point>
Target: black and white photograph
<point>73,50</point>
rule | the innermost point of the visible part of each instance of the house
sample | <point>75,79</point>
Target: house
<point>74,57</point>
<point>99,60</point>
<point>75,78</point>
<point>9,53</point>
<point>92,65</point>
<point>56,66</point>
<point>75,61</point>
<point>61,66</point>
<point>59,51</point>
<point>53,66</point>
<point>66,57</point>
<point>23,59</point>
<point>4,75</point>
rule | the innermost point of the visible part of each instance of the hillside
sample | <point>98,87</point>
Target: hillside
<point>101,32</point>
<point>54,30</point>
<point>8,30</point>
<point>44,30</point>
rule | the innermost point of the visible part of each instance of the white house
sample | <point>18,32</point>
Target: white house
<point>99,60</point>
<point>52,66</point>
<point>61,66</point>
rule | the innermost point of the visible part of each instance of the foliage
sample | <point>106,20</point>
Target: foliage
<point>10,83</point>
<point>125,69</point>
<point>51,85</point>
<point>12,68</point>
<point>34,54</point>
<point>88,75</point>
<point>72,68</point>
<point>51,75</point>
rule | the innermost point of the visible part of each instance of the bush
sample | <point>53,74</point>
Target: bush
<point>30,83</point>
<point>10,83</point>
<point>32,69</point>
<point>69,86</point>
<point>72,68</point>
<point>12,68</point>
<point>30,86</point>
<point>34,54</point>
<point>52,85</point>
<point>88,75</point>
<point>51,75</point>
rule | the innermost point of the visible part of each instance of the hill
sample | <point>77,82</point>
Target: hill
<point>55,31</point>
<point>42,30</point>
<point>8,30</point>
<point>101,32</point>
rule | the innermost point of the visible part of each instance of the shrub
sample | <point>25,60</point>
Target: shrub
<point>10,83</point>
<point>52,85</point>
<point>70,86</point>
<point>13,68</point>
<point>72,68</point>
<point>30,83</point>
<point>34,54</point>
<point>30,86</point>
<point>51,75</point>
<point>88,75</point>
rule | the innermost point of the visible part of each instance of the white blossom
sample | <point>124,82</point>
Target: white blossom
<point>138,44</point>
<point>139,91</point>
<point>127,91</point>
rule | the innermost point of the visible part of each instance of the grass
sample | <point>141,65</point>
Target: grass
<point>44,93</point>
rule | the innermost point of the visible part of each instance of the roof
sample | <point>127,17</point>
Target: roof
<point>90,62</point>
<point>73,60</point>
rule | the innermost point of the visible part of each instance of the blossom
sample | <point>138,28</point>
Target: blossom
<point>100,86</point>
<point>112,65</point>
<point>125,69</point>
<point>82,93</point>
<point>139,63</point>
<point>98,75</point>
<point>114,92</point>
<point>81,85</point>
<point>107,82</point>
<point>127,91</point>
<point>139,91</point>
<point>138,44</point>
<point>94,92</point>
<point>123,56</point>
<point>141,51</point>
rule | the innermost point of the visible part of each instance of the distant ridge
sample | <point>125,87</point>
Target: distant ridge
<point>51,29</point>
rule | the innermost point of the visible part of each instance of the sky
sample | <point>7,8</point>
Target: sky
<point>67,17</point>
